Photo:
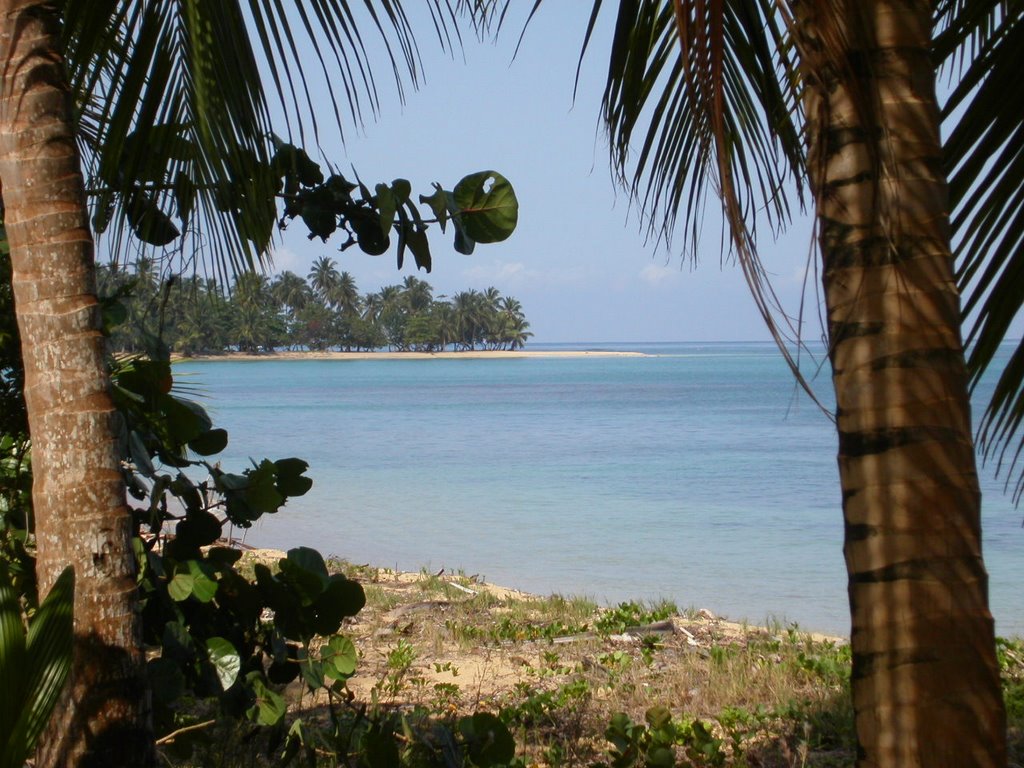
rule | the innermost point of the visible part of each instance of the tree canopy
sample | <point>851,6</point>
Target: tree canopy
<point>257,314</point>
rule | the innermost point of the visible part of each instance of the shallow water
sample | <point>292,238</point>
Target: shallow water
<point>698,474</point>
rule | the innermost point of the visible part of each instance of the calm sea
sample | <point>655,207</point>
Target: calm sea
<point>698,473</point>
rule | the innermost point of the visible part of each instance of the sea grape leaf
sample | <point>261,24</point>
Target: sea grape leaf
<point>186,491</point>
<point>199,529</point>
<point>341,598</point>
<point>225,659</point>
<point>463,243</point>
<point>365,223</point>
<point>221,557</point>
<point>186,419</point>
<point>438,203</point>
<point>177,643</point>
<point>339,658</point>
<point>290,479</point>
<point>269,708</point>
<point>261,493</point>
<point>319,212</point>
<point>204,586</point>
<point>487,205</point>
<point>209,443</point>
<point>309,559</point>
<point>184,195</point>
<point>401,188</point>
<point>416,239</point>
<point>180,586</point>
<point>313,673</point>
<point>488,740</point>
<point>148,222</point>
<point>387,206</point>
<point>306,584</point>
<point>290,159</point>
<point>139,454</point>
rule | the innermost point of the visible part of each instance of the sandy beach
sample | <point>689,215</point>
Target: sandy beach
<point>467,355</point>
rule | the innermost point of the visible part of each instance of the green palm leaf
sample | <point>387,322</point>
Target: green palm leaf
<point>46,654</point>
<point>12,657</point>
<point>722,119</point>
<point>981,43</point>
<point>175,105</point>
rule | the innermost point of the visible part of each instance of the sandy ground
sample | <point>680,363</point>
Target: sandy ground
<point>474,355</point>
<point>484,670</point>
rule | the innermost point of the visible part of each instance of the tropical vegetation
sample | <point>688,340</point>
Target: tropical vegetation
<point>763,103</point>
<point>325,311</point>
<point>757,101</point>
<point>161,114</point>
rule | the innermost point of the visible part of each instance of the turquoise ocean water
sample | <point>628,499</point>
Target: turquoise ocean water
<point>697,473</point>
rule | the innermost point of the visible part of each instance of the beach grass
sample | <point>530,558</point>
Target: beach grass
<point>575,682</point>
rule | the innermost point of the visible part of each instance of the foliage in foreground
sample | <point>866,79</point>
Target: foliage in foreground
<point>34,664</point>
<point>297,660</point>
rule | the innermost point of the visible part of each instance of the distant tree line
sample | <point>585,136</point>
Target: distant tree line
<point>324,311</point>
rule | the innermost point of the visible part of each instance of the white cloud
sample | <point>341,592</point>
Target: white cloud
<point>659,274</point>
<point>509,272</point>
<point>287,260</point>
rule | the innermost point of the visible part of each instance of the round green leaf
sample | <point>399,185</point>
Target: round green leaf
<point>269,708</point>
<point>204,587</point>
<point>225,659</point>
<point>209,443</point>
<point>487,205</point>
<point>339,657</point>
<point>180,586</point>
<point>199,529</point>
<point>488,740</point>
<point>149,223</point>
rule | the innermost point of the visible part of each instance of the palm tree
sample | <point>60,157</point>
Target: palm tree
<point>466,306</point>
<point>78,495</point>
<point>345,295</point>
<point>373,305</point>
<point>171,91</point>
<point>719,95</point>
<point>516,333</point>
<point>418,294</point>
<point>291,291</point>
<point>323,279</point>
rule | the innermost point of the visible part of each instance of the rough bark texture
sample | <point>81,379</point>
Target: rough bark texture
<point>925,678</point>
<point>78,495</point>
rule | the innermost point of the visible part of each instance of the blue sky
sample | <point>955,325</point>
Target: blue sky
<point>578,261</point>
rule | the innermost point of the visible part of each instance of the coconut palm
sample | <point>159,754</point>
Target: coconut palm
<point>716,96</point>
<point>169,98</point>
<point>418,294</point>
<point>291,291</point>
<point>346,296</point>
<point>373,305</point>
<point>323,279</point>
<point>469,317</point>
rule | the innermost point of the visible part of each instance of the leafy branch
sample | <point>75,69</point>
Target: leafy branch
<point>482,206</point>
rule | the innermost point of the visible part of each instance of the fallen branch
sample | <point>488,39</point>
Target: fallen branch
<point>174,734</point>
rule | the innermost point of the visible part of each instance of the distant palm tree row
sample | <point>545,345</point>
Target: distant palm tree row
<point>324,311</point>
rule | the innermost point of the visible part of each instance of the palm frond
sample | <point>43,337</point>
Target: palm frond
<point>177,102</point>
<point>702,97</point>
<point>981,42</point>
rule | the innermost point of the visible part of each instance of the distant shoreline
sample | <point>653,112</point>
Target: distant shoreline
<point>466,355</point>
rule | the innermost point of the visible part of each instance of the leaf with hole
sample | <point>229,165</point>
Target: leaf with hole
<point>487,205</point>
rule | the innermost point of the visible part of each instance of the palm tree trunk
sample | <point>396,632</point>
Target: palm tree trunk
<point>925,680</point>
<point>78,493</point>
